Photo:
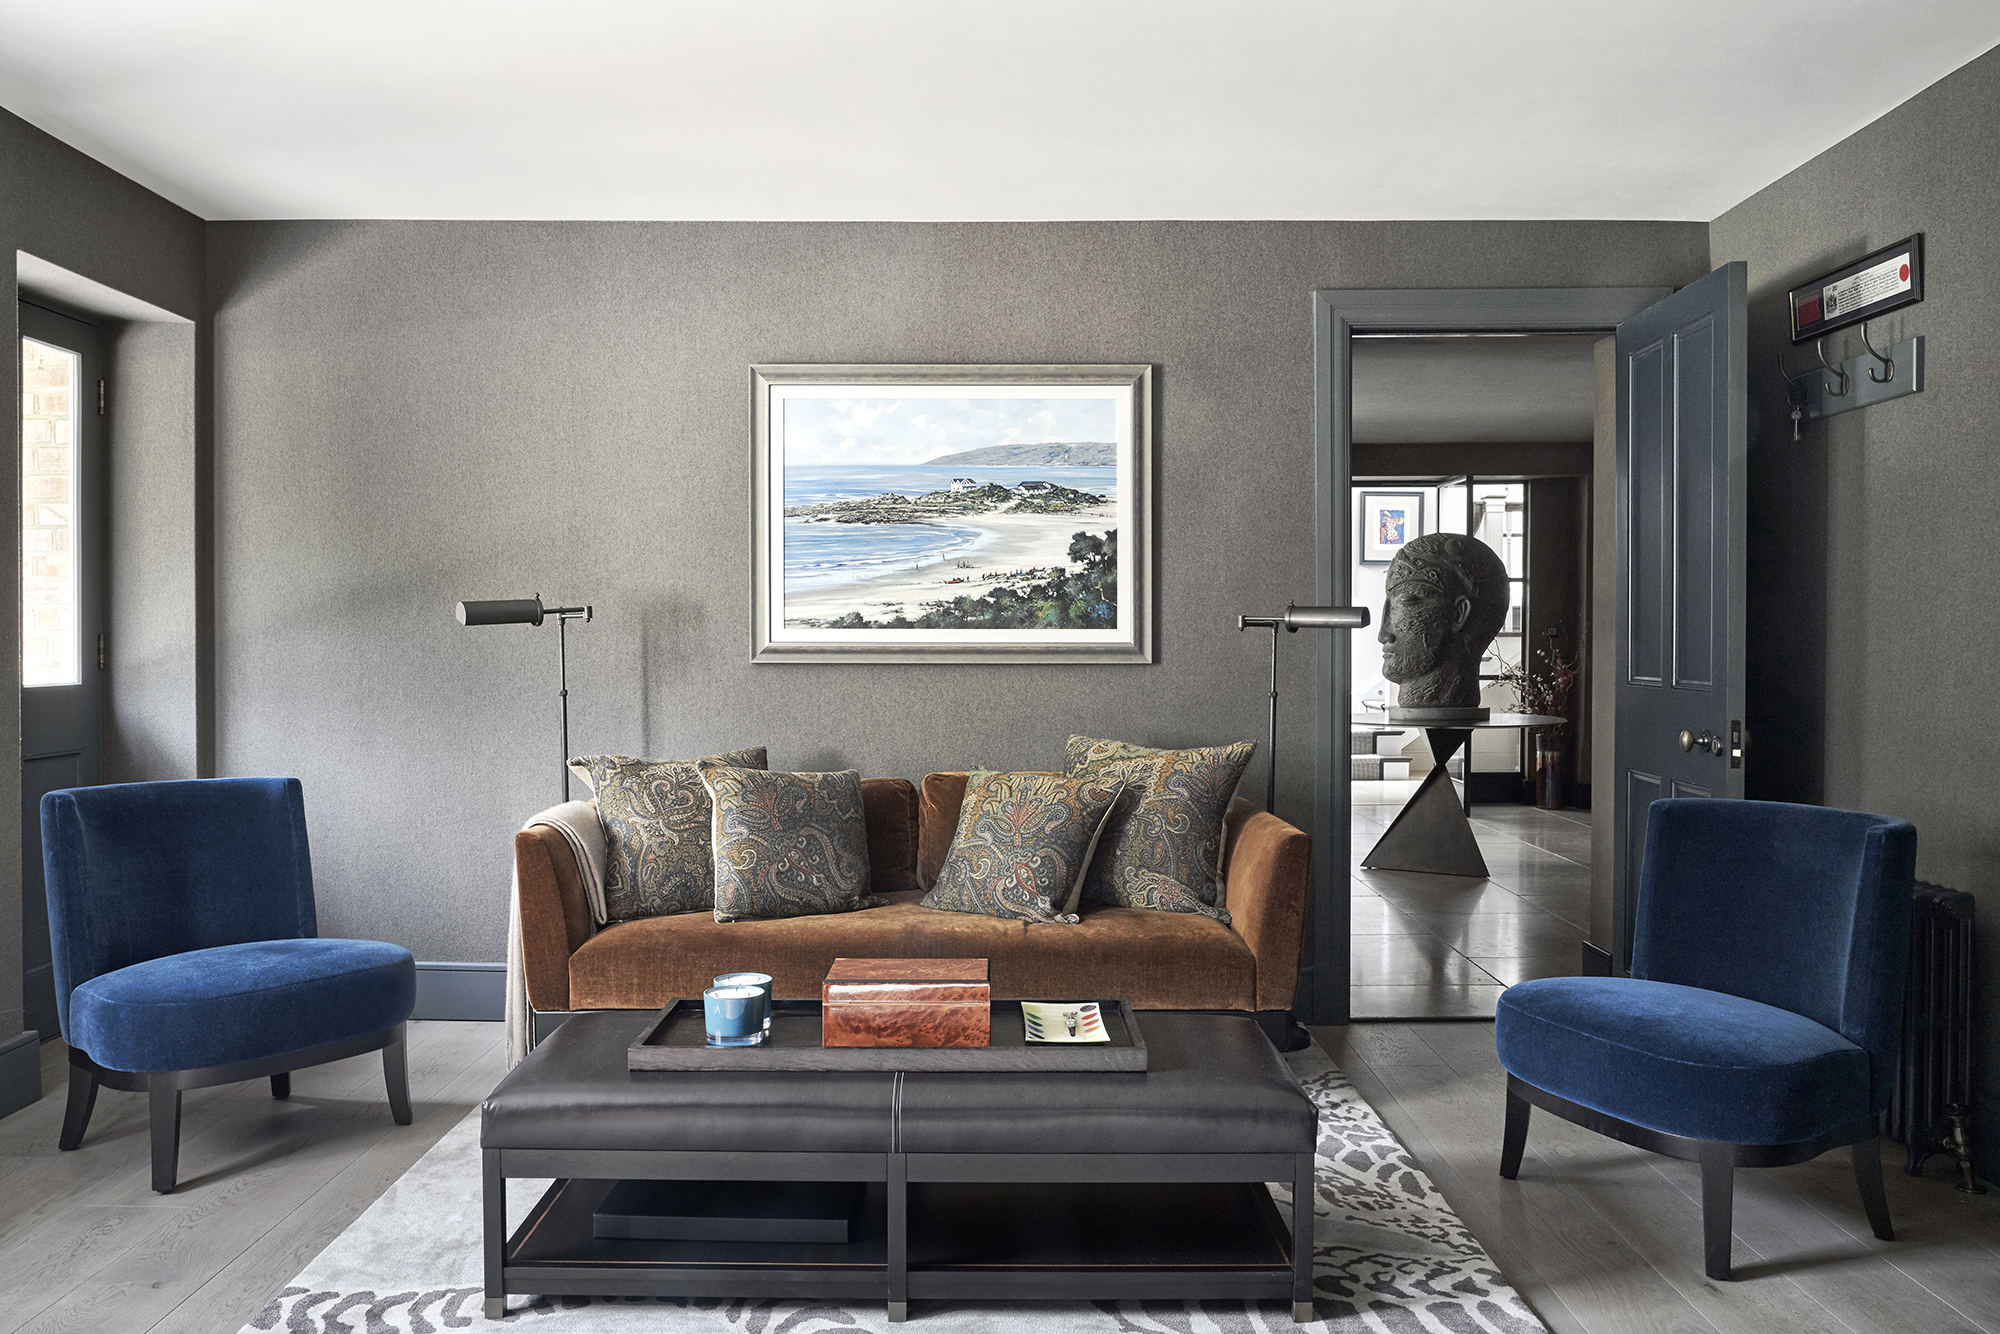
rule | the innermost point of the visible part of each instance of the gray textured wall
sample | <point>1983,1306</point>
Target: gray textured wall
<point>409,413</point>
<point>149,716</point>
<point>1874,648</point>
<point>75,212</point>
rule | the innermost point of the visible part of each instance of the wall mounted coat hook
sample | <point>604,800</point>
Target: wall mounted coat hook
<point>1819,346</point>
<point>1816,396</point>
<point>1888,363</point>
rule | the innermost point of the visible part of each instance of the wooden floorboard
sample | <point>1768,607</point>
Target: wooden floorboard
<point>1601,1237</point>
<point>1591,1268</point>
<point>244,1285</point>
<point>1392,1040</point>
<point>1800,1266</point>
<point>265,1185</point>
<point>1814,1240</point>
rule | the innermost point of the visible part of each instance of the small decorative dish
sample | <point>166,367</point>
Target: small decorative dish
<point>1063,1021</point>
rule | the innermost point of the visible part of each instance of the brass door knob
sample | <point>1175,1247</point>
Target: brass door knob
<point>1707,741</point>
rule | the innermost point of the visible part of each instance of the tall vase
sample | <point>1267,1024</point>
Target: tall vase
<point>1551,765</point>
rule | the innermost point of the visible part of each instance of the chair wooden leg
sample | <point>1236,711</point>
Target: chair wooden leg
<point>396,1074</point>
<point>1718,1180</point>
<point>281,1085</point>
<point>166,1123</point>
<point>1868,1176</point>
<point>82,1100</point>
<point>1515,1138</point>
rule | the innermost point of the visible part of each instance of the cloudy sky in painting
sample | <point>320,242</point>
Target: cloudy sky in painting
<point>864,431</point>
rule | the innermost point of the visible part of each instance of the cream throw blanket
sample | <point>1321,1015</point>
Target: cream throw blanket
<point>578,823</point>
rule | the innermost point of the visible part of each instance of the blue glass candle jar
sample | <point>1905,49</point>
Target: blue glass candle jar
<point>762,981</point>
<point>734,1016</point>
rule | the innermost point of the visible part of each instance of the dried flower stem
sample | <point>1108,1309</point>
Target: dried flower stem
<point>1544,693</point>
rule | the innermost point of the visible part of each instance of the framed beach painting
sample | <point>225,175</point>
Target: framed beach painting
<point>1389,521</point>
<point>951,514</point>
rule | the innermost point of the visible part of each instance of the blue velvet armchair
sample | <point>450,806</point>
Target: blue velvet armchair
<point>186,953</point>
<point>1760,1026</point>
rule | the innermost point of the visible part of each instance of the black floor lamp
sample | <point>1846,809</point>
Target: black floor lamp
<point>530,611</point>
<point>1295,619</point>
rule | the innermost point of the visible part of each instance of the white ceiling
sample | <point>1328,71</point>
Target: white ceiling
<point>950,109</point>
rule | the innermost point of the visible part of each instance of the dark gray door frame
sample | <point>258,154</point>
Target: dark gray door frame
<point>1339,314</point>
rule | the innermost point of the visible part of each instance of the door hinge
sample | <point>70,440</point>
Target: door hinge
<point>100,398</point>
<point>1735,743</point>
<point>100,650</point>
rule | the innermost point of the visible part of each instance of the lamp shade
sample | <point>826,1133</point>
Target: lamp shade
<point>1325,618</point>
<point>1295,619</point>
<point>530,611</point>
<point>503,611</point>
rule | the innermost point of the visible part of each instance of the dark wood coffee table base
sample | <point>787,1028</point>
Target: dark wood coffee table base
<point>986,1226</point>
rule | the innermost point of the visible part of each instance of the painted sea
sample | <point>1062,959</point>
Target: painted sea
<point>822,555</point>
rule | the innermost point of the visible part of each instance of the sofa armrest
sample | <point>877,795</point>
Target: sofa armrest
<point>1268,868</point>
<point>555,916</point>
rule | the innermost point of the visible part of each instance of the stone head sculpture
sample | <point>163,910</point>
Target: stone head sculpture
<point>1447,598</point>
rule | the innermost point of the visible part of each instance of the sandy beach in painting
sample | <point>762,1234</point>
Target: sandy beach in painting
<point>1006,542</point>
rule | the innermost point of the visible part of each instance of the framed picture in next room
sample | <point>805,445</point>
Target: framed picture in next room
<point>951,514</point>
<point>1389,520</point>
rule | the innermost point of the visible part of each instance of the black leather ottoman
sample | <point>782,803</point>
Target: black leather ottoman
<point>1002,1186</point>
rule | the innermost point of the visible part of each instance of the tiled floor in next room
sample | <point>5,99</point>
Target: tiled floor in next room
<point>1445,946</point>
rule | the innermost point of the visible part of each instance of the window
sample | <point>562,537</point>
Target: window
<point>1499,519</point>
<point>51,378</point>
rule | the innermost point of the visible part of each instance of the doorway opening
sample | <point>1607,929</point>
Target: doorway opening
<point>1493,437</point>
<point>62,602</point>
<point>1346,322</point>
<point>1666,522</point>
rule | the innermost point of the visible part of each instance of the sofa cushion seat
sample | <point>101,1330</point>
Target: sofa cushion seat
<point>1156,960</point>
<point>241,1002</point>
<point>1682,1060</point>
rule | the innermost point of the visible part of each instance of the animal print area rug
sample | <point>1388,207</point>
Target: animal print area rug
<point>1389,1257</point>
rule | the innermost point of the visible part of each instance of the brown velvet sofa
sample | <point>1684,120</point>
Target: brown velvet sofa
<point>1156,960</point>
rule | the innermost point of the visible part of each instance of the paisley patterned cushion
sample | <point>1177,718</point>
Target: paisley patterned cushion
<point>656,817</point>
<point>1162,845</point>
<point>1022,847</point>
<point>787,845</point>
<point>1149,889</point>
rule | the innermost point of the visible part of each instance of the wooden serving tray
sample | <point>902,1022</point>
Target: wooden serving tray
<point>677,1040</point>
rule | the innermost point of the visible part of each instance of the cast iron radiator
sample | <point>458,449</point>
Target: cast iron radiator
<point>1933,1096</point>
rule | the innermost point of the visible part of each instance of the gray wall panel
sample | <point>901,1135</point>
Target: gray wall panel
<point>75,212</point>
<point>409,413</point>
<point>1605,630</point>
<point>149,716</point>
<point>1874,652</point>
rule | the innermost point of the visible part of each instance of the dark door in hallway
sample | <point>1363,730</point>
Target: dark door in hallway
<point>62,603</point>
<point>1682,439</point>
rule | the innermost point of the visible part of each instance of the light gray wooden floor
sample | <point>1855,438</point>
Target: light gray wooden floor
<point>85,1244</point>
<point>1596,1236</point>
<point>1600,1237</point>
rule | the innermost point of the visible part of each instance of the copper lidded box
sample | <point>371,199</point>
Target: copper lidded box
<point>906,1003</point>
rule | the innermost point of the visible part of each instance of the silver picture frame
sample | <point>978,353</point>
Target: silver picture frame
<point>1390,521</point>
<point>860,552</point>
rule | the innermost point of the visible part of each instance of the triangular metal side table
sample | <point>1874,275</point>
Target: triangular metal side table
<point>1431,833</point>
